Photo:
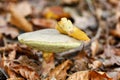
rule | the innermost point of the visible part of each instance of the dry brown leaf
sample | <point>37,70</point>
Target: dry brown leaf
<point>114,2</point>
<point>88,75</point>
<point>60,72</point>
<point>93,75</point>
<point>2,22</point>
<point>16,78</point>
<point>81,75</point>
<point>116,32</point>
<point>11,73</point>
<point>55,12</point>
<point>1,36</point>
<point>25,71</point>
<point>95,64</point>
<point>44,23</point>
<point>23,8</point>
<point>21,50</point>
<point>70,2</point>
<point>13,32</point>
<point>110,57</point>
<point>1,40</point>
<point>117,51</point>
<point>114,75</point>
<point>31,63</point>
<point>8,47</point>
<point>18,20</point>
<point>80,61</point>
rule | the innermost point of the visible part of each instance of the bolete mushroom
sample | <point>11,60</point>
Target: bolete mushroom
<point>52,40</point>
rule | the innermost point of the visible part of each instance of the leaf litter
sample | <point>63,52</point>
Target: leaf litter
<point>99,60</point>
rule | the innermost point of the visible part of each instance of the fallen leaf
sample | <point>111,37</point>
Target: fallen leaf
<point>55,12</point>
<point>89,75</point>
<point>11,73</point>
<point>20,49</point>
<point>95,64</point>
<point>80,61</point>
<point>18,20</point>
<point>35,65</point>
<point>60,72</point>
<point>13,32</point>
<point>114,75</point>
<point>3,22</point>
<point>70,2</point>
<point>114,2</point>
<point>1,40</point>
<point>23,5</point>
<point>116,32</point>
<point>109,56</point>
<point>81,75</point>
<point>117,51</point>
<point>41,23</point>
<point>16,78</point>
<point>93,75</point>
<point>24,71</point>
<point>83,22</point>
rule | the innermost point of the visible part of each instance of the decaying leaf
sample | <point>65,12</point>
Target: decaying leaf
<point>70,2</point>
<point>1,40</point>
<point>110,57</point>
<point>116,32</point>
<point>95,64</point>
<point>23,5</point>
<point>93,75</point>
<point>16,78</point>
<point>18,20</point>
<point>89,75</point>
<point>30,63</point>
<point>44,23</point>
<point>115,75</point>
<point>3,22</point>
<point>13,32</point>
<point>114,2</point>
<point>55,12</point>
<point>60,72</point>
<point>11,73</point>
<point>66,27</point>
<point>80,61</point>
<point>24,71</point>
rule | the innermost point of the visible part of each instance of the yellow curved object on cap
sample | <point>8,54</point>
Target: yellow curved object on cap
<point>66,27</point>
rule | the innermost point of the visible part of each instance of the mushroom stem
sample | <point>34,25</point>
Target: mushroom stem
<point>48,63</point>
<point>47,56</point>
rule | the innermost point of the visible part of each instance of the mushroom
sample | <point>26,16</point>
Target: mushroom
<point>55,40</point>
<point>49,40</point>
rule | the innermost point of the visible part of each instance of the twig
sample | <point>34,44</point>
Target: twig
<point>91,8</point>
<point>97,36</point>
<point>99,30</point>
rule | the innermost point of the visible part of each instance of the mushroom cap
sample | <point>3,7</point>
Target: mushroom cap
<point>49,40</point>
